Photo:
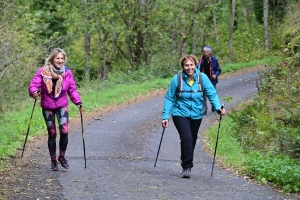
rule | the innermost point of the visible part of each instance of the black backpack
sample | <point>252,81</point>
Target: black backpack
<point>179,86</point>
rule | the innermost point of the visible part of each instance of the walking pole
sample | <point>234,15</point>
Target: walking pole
<point>83,139</point>
<point>28,128</point>
<point>159,145</point>
<point>213,164</point>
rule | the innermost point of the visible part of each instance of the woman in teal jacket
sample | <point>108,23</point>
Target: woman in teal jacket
<point>187,109</point>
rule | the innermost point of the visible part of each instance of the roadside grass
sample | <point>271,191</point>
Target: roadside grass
<point>95,98</point>
<point>232,67</point>
<point>260,138</point>
<point>14,124</point>
<point>229,151</point>
<point>268,168</point>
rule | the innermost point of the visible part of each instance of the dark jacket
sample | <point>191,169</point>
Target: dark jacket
<point>215,68</point>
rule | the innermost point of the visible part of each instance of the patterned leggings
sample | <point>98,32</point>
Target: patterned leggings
<point>63,119</point>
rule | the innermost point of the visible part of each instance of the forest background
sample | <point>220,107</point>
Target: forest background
<point>115,48</point>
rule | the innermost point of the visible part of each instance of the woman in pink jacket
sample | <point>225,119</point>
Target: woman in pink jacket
<point>52,83</point>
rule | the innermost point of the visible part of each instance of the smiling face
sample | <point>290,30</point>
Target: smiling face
<point>58,60</point>
<point>189,68</point>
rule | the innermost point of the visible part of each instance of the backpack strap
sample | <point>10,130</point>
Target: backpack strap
<point>179,85</point>
<point>200,83</point>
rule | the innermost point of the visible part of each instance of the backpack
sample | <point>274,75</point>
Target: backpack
<point>179,86</point>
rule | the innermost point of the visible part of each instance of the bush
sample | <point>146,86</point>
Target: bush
<point>279,170</point>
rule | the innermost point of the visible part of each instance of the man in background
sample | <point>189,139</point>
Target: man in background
<point>209,65</point>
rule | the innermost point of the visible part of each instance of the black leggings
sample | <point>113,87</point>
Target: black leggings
<point>188,132</point>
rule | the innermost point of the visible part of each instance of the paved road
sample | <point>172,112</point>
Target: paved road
<point>121,147</point>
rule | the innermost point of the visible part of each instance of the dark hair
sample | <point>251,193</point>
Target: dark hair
<point>185,58</point>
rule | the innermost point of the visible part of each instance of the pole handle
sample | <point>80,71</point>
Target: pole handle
<point>219,112</point>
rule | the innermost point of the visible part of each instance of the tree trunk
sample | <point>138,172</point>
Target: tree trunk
<point>4,11</point>
<point>174,45</point>
<point>203,31</point>
<point>182,45</point>
<point>195,31</point>
<point>107,67</point>
<point>266,24</point>
<point>215,24</point>
<point>102,52</point>
<point>231,31</point>
<point>87,49</point>
<point>138,47</point>
<point>12,19</point>
<point>248,13</point>
<point>106,55</point>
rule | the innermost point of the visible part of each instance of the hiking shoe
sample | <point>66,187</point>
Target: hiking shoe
<point>54,166</point>
<point>63,162</point>
<point>186,173</point>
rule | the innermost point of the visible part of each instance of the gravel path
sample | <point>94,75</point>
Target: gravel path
<point>121,147</point>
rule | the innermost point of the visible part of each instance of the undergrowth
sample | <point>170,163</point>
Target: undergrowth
<point>266,132</point>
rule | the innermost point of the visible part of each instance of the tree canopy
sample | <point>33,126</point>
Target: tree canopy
<point>107,37</point>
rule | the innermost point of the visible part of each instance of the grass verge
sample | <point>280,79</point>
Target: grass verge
<point>267,168</point>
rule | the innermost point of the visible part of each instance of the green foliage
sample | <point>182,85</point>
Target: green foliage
<point>292,41</point>
<point>267,129</point>
<point>139,47</point>
<point>277,9</point>
<point>230,151</point>
<point>15,125</point>
<point>47,22</point>
<point>267,166</point>
<point>270,123</point>
<point>18,61</point>
<point>258,123</point>
<point>259,127</point>
<point>251,131</point>
<point>280,170</point>
<point>232,67</point>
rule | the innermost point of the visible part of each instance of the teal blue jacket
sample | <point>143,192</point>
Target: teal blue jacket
<point>189,104</point>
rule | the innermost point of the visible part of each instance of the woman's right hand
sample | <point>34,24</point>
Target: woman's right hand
<point>165,123</point>
<point>36,95</point>
<point>80,106</point>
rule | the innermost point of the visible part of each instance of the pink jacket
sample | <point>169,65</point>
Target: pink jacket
<point>47,99</point>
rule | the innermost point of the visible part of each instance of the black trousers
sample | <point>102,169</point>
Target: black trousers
<point>188,133</point>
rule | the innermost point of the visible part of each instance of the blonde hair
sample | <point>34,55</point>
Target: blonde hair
<point>53,53</point>
<point>185,58</point>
